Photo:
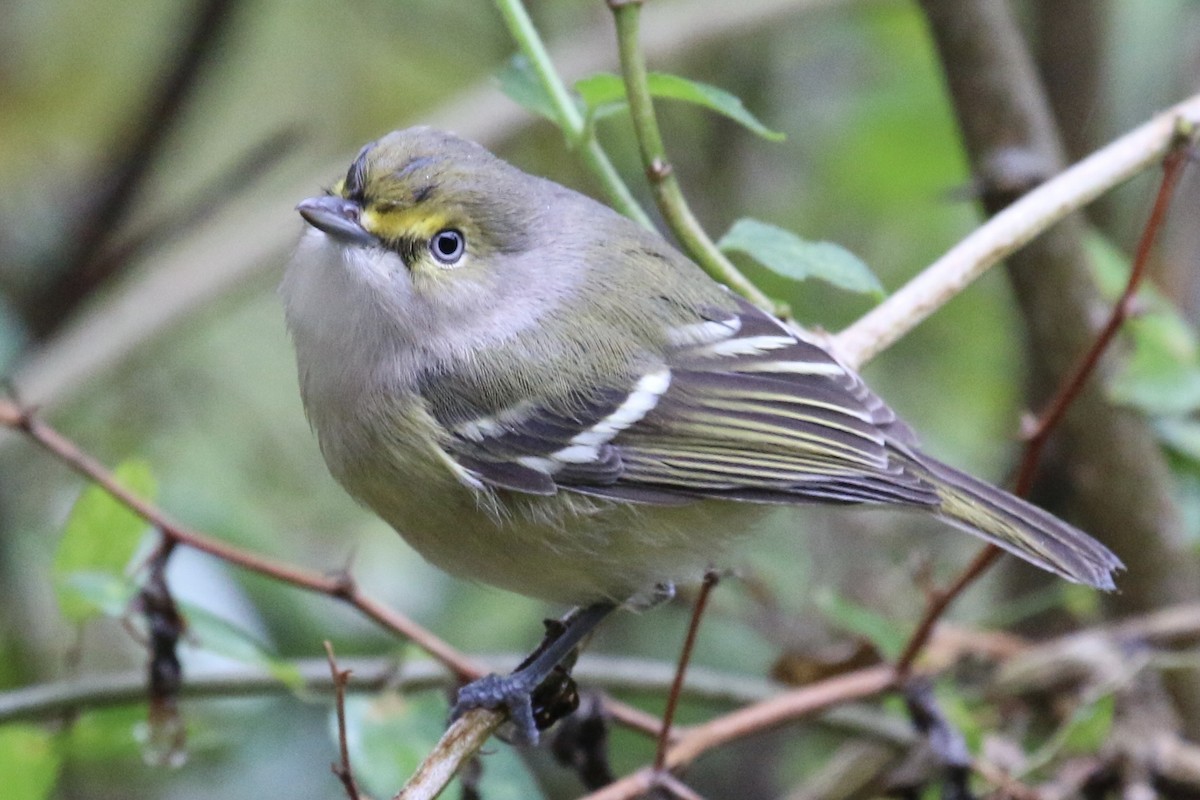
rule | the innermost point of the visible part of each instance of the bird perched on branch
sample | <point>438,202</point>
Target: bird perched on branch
<point>541,395</point>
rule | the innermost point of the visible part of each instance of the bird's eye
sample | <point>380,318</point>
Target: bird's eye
<point>448,246</point>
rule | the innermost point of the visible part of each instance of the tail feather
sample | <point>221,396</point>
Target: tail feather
<point>1019,527</point>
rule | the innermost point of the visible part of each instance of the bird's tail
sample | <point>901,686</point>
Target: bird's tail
<point>1019,527</point>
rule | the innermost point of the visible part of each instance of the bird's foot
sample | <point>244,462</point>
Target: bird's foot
<point>540,691</point>
<point>533,702</point>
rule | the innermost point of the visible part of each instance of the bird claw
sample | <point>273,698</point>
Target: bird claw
<point>511,693</point>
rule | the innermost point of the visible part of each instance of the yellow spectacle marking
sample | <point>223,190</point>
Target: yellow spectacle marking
<point>413,222</point>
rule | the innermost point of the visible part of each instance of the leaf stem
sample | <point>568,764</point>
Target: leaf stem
<point>667,192</point>
<point>570,119</point>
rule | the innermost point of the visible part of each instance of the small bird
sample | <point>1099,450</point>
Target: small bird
<point>541,395</point>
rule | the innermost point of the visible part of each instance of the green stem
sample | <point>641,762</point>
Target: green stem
<point>667,192</point>
<point>570,120</point>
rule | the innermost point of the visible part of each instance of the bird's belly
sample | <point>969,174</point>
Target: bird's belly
<point>566,548</point>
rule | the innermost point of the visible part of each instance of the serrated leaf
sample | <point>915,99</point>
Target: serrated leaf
<point>790,256</point>
<point>873,626</point>
<point>224,638</point>
<point>29,761</point>
<point>101,536</point>
<point>604,92</point>
<point>520,82</point>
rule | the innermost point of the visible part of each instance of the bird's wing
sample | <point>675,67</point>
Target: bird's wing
<point>740,407</point>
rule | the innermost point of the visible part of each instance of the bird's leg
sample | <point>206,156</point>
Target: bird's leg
<point>512,691</point>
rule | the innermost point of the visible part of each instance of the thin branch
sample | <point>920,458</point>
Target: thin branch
<point>789,707</point>
<point>1173,165</point>
<point>570,120</point>
<point>939,602</point>
<point>667,192</point>
<point>459,744</point>
<point>610,673</point>
<point>685,655</point>
<point>339,587</point>
<point>342,770</point>
<point>1010,230</point>
<point>1070,388</point>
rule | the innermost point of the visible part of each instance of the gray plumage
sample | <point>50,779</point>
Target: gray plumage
<point>568,407</point>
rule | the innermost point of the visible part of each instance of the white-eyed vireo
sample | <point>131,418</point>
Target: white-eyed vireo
<point>541,395</point>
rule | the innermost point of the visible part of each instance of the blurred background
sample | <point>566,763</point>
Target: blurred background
<point>151,153</point>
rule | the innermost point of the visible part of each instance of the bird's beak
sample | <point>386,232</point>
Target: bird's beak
<point>337,217</point>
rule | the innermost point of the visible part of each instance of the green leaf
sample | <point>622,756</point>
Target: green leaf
<point>604,92</point>
<point>1089,727</point>
<point>98,592</point>
<point>1161,376</point>
<point>874,627</point>
<point>520,82</point>
<point>786,254</point>
<point>104,736</point>
<point>506,777</point>
<point>1081,602</point>
<point>390,734</point>
<point>222,637</point>
<point>101,536</point>
<point>29,761</point>
<point>1181,434</point>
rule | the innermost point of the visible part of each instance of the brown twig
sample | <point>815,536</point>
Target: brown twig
<point>471,731</point>
<point>340,587</point>
<point>685,655</point>
<point>342,770</point>
<point>939,601</point>
<point>787,707</point>
<point>164,627</point>
<point>1173,163</point>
